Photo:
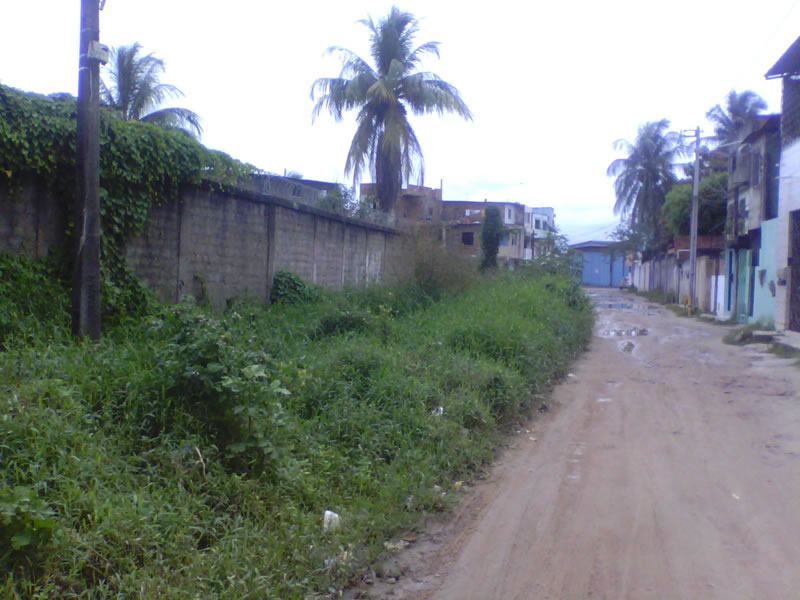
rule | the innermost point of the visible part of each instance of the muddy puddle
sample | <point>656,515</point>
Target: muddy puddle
<point>627,332</point>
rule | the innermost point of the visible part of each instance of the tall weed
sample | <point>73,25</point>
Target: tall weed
<point>192,454</point>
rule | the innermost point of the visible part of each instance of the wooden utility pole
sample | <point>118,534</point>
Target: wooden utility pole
<point>86,270</point>
<point>693,226</point>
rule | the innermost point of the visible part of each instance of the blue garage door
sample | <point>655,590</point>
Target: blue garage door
<point>598,269</point>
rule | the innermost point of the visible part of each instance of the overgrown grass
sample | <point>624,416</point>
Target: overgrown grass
<point>192,455</point>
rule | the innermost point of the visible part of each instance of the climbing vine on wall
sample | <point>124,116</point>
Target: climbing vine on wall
<point>140,164</point>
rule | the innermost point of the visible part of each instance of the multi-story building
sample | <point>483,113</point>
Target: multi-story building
<point>462,221</point>
<point>540,222</point>
<point>751,224</point>
<point>459,222</point>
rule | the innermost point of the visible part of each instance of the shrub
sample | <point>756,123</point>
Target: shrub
<point>288,288</point>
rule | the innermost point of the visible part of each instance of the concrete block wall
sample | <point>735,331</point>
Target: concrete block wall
<point>154,255</point>
<point>294,245</point>
<point>225,244</point>
<point>31,219</point>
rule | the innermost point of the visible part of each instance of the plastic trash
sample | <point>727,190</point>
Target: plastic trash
<point>331,521</point>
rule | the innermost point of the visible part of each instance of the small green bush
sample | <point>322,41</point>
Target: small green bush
<point>26,525</point>
<point>288,288</point>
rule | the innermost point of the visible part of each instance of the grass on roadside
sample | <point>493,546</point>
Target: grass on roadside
<point>191,454</point>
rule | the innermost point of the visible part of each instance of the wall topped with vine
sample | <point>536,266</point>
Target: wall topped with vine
<point>140,164</point>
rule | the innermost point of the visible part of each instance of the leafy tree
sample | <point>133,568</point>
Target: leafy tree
<point>492,231</point>
<point>136,92</point>
<point>645,176</point>
<point>739,111</point>
<point>632,237</point>
<point>384,95</point>
<point>557,257</point>
<point>341,201</point>
<point>712,206</point>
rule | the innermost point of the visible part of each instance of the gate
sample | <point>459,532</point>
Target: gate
<point>794,277</point>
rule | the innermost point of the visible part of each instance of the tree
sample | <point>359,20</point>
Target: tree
<point>740,110</point>
<point>712,206</point>
<point>645,176</point>
<point>492,231</point>
<point>136,92</point>
<point>384,95</point>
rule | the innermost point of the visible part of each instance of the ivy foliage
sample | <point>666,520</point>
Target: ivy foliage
<point>141,164</point>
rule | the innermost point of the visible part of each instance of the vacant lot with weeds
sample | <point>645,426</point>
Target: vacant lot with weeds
<point>191,454</point>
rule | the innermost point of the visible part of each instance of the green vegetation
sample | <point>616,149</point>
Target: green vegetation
<point>136,91</point>
<point>492,232</point>
<point>739,111</point>
<point>384,94</point>
<point>712,206</point>
<point>191,455</point>
<point>644,176</point>
<point>140,165</point>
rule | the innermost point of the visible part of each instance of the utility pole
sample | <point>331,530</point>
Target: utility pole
<point>693,226</point>
<point>86,268</point>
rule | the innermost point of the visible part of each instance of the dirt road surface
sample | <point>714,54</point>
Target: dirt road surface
<point>669,469</point>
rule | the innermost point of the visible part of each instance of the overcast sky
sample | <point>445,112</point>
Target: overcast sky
<point>551,85</point>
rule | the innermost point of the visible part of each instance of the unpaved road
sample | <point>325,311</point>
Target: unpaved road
<point>670,469</point>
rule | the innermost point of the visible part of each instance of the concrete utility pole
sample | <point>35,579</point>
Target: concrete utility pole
<point>86,270</point>
<point>693,226</point>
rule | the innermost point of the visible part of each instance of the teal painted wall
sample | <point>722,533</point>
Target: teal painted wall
<point>763,300</point>
<point>743,268</point>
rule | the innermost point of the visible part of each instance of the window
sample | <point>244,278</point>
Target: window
<point>538,224</point>
<point>430,211</point>
<point>468,238</point>
<point>513,239</point>
<point>509,213</point>
<point>472,211</point>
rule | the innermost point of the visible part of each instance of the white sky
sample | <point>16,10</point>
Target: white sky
<point>551,85</point>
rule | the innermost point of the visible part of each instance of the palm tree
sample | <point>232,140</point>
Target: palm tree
<point>384,95</point>
<point>646,175</point>
<point>136,91</point>
<point>739,111</point>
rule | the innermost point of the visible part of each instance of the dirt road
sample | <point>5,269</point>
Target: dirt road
<point>670,469</point>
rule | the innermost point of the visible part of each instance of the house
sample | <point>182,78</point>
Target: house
<point>751,223</point>
<point>462,221</point>
<point>787,226</point>
<point>603,264</point>
<point>286,188</point>
<point>415,205</point>
<point>540,222</point>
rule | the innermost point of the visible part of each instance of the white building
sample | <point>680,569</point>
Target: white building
<point>787,291</point>
<point>539,223</point>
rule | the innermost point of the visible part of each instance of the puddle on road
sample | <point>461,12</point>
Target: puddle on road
<point>613,305</point>
<point>628,332</point>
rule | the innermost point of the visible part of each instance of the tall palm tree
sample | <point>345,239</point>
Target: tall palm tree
<point>739,111</point>
<point>645,176</point>
<point>384,94</point>
<point>136,91</point>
